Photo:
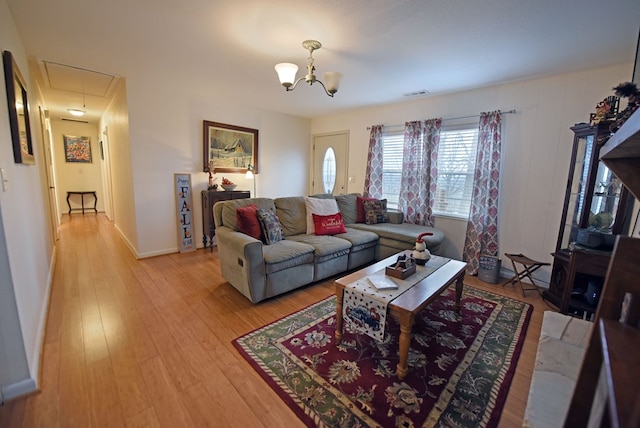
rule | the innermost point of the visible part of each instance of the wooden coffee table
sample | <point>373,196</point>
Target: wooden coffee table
<point>406,306</point>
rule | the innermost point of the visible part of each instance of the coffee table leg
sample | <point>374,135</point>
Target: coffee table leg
<point>339,297</point>
<point>405,341</point>
<point>459,286</point>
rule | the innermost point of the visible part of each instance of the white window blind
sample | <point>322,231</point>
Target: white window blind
<point>456,163</point>
<point>392,167</point>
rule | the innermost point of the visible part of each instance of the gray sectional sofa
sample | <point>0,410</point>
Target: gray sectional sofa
<point>260,271</point>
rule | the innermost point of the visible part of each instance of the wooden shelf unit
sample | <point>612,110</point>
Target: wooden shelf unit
<point>591,193</point>
<point>613,346</point>
<point>621,154</point>
<point>622,369</point>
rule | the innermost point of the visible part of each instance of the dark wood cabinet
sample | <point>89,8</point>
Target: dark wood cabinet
<point>597,207</point>
<point>209,198</point>
<point>614,345</point>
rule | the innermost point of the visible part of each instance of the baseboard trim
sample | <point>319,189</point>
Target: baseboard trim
<point>18,389</point>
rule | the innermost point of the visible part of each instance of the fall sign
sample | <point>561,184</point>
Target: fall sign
<point>184,206</point>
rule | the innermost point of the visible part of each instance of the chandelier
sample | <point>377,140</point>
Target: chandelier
<point>287,72</point>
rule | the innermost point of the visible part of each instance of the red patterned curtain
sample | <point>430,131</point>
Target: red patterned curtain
<point>482,227</point>
<point>419,171</point>
<point>373,176</point>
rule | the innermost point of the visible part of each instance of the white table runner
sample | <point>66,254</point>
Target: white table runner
<point>364,307</point>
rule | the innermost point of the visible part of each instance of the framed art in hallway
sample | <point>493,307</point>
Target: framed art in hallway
<point>77,149</point>
<point>229,148</point>
<point>18,104</point>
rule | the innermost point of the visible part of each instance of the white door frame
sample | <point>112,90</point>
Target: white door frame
<point>107,187</point>
<point>50,175</point>
<point>341,148</point>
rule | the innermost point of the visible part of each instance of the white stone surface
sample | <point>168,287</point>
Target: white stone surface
<point>563,340</point>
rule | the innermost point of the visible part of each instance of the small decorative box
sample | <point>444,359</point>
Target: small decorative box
<point>404,267</point>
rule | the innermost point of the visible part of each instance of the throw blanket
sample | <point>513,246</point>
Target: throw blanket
<point>364,307</point>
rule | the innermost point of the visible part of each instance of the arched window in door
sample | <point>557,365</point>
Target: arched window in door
<point>329,170</point>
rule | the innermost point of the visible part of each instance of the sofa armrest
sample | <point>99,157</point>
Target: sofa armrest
<point>242,262</point>
<point>395,217</point>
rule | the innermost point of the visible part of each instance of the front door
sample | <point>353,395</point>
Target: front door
<point>330,163</point>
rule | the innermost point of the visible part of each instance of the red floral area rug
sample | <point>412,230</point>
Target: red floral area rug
<point>460,366</point>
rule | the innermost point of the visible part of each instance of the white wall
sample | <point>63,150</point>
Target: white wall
<point>165,122</point>
<point>118,154</point>
<point>73,176</point>
<point>536,148</point>
<point>27,263</point>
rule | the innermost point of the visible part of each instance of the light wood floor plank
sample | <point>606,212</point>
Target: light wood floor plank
<point>106,409</point>
<point>145,419</point>
<point>148,342</point>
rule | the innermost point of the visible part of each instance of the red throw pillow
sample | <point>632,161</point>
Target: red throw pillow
<point>247,219</point>
<point>360,217</point>
<point>328,224</point>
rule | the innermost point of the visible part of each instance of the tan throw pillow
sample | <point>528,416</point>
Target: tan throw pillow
<point>319,207</point>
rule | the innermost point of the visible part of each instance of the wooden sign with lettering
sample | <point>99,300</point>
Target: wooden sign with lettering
<point>184,207</point>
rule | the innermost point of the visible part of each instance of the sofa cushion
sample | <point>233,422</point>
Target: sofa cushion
<point>247,220</point>
<point>331,224</point>
<point>291,212</point>
<point>403,236</point>
<point>319,207</point>
<point>325,247</point>
<point>270,225</point>
<point>375,211</point>
<point>286,254</point>
<point>229,216</point>
<point>360,239</point>
<point>348,207</point>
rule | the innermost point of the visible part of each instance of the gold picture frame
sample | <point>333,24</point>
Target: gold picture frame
<point>229,148</point>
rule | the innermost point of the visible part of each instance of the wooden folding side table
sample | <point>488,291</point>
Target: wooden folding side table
<point>529,266</point>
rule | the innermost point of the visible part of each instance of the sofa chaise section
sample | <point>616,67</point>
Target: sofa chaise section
<point>394,236</point>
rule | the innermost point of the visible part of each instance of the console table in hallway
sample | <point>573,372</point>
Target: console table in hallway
<point>90,192</point>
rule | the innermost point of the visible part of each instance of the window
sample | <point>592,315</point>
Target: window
<point>456,164</point>
<point>329,170</point>
<point>392,167</point>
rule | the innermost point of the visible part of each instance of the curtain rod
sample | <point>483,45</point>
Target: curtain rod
<point>451,118</point>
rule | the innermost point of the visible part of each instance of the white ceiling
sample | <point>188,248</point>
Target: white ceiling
<point>384,48</point>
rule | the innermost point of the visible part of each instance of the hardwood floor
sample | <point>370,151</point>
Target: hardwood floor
<point>148,342</point>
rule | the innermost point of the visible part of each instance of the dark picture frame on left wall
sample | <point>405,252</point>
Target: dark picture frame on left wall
<point>18,105</point>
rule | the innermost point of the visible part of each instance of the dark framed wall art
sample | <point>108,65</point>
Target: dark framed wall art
<point>18,111</point>
<point>77,149</point>
<point>229,148</point>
